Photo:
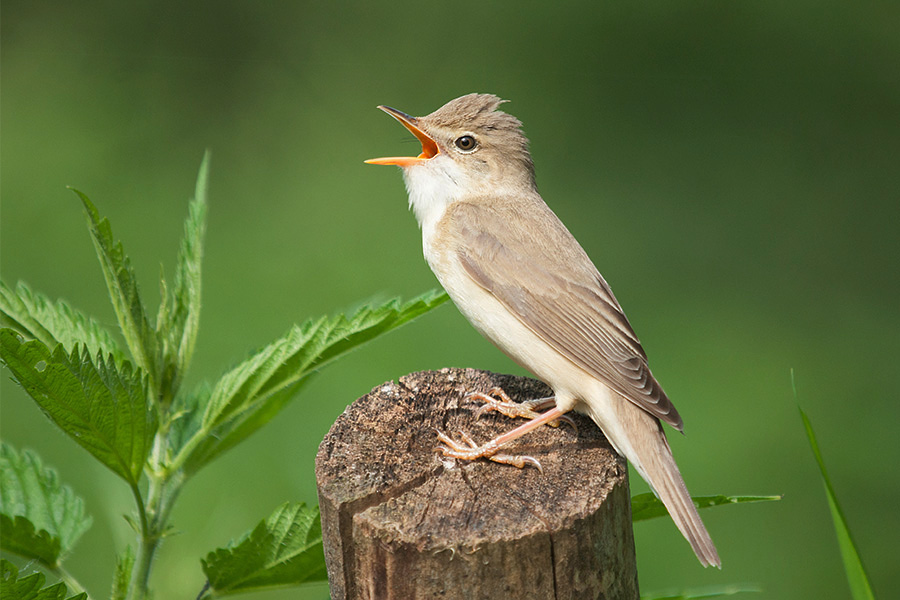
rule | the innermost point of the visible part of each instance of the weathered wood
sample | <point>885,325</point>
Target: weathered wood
<point>401,522</point>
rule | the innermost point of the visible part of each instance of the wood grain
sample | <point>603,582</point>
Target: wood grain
<point>400,521</point>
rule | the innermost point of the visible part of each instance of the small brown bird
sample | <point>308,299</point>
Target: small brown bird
<point>517,274</point>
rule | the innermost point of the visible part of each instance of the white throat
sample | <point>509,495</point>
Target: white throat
<point>432,187</point>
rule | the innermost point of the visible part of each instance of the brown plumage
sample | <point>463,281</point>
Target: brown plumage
<point>520,277</point>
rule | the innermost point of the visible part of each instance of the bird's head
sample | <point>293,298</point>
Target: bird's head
<point>468,141</point>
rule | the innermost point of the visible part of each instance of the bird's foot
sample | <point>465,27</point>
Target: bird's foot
<point>467,449</point>
<point>498,400</point>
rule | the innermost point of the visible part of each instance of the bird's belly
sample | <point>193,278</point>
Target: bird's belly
<point>495,322</point>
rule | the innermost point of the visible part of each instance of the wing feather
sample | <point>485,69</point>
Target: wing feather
<point>567,304</point>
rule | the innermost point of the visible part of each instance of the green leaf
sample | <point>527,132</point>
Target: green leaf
<point>20,536</point>
<point>122,576</point>
<point>34,315</point>
<point>123,291</point>
<point>31,587</point>
<point>856,573</point>
<point>40,517</point>
<point>179,313</point>
<point>717,591</point>
<point>283,550</point>
<point>186,417</point>
<point>647,506</point>
<point>248,396</point>
<point>103,407</point>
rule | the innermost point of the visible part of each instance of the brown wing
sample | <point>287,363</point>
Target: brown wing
<point>566,302</point>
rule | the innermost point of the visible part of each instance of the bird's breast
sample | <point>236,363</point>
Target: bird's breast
<point>498,324</point>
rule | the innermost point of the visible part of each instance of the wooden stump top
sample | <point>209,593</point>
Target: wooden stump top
<point>382,485</point>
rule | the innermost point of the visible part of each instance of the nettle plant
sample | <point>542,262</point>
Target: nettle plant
<point>128,408</point>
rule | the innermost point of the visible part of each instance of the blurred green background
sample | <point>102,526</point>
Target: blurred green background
<point>732,168</point>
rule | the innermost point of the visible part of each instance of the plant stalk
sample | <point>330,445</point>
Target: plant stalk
<point>162,491</point>
<point>146,547</point>
<point>74,587</point>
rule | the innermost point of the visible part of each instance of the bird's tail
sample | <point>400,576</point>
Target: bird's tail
<point>644,443</point>
<point>663,475</point>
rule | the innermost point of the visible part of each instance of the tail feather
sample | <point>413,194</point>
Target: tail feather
<point>663,475</point>
<point>640,438</point>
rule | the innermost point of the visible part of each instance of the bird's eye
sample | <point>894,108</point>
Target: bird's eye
<point>466,143</point>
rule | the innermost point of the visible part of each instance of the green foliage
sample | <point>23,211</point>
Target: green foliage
<point>856,573</point>
<point>283,550</point>
<point>129,411</point>
<point>54,323</point>
<point>31,587</point>
<point>249,395</point>
<point>648,506</point>
<point>122,575</point>
<point>123,291</point>
<point>40,518</point>
<point>719,591</point>
<point>179,312</point>
<point>19,535</point>
<point>103,407</point>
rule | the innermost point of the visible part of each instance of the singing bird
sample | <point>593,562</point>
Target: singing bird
<point>523,281</point>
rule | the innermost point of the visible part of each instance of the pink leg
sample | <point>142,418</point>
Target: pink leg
<point>528,409</point>
<point>468,450</point>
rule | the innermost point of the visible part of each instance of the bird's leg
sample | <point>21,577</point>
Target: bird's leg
<point>468,445</point>
<point>506,406</point>
<point>469,450</point>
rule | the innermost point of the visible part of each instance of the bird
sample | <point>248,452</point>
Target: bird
<point>524,282</point>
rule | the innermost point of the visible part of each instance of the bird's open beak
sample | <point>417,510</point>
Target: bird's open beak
<point>429,147</point>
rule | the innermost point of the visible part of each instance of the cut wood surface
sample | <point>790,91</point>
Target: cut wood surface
<point>400,521</point>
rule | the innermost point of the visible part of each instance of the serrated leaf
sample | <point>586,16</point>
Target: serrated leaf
<point>717,591</point>
<point>179,315</point>
<point>122,576</point>
<point>283,550</point>
<point>186,416</point>
<point>36,316</point>
<point>123,291</point>
<point>31,587</point>
<point>40,517</point>
<point>248,396</point>
<point>19,536</point>
<point>860,587</point>
<point>102,406</point>
<point>647,506</point>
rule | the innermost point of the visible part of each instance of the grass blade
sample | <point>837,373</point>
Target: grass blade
<point>718,591</point>
<point>856,573</point>
<point>647,506</point>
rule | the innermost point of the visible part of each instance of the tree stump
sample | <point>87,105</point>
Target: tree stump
<point>402,522</point>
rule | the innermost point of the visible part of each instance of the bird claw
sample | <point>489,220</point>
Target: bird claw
<point>497,400</point>
<point>517,460</point>
<point>468,449</point>
<point>508,407</point>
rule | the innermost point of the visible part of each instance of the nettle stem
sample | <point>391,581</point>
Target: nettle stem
<point>162,491</point>
<point>74,587</point>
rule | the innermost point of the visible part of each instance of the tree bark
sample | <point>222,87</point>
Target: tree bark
<point>400,521</point>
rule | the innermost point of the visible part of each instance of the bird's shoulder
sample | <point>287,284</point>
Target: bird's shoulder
<point>521,228</point>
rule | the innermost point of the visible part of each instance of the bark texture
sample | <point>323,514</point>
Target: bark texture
<point>400,521</point>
